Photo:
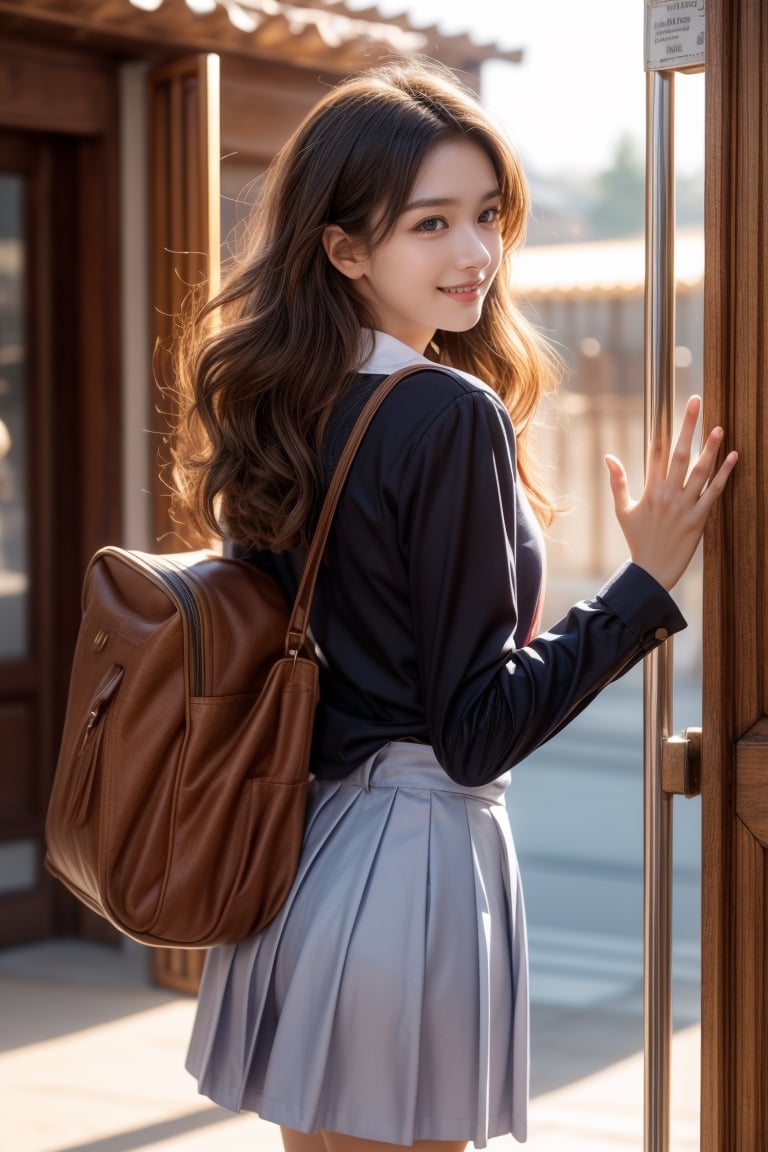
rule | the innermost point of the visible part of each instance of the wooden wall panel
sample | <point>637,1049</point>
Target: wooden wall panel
<point>747,1078</point>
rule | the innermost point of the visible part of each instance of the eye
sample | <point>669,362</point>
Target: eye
<point>489,216</point>
<point>431,224</point>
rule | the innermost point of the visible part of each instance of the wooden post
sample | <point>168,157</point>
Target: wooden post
<point>734,859</point>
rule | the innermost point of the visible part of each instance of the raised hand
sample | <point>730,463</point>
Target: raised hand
<point>664,526</point>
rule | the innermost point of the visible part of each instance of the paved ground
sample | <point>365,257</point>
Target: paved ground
<point>91,1057</point>
<point>91,1053</point>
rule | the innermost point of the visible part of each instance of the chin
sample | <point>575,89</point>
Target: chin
<point>467,326</point>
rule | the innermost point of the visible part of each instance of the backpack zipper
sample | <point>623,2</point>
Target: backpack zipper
<point>175,580</point>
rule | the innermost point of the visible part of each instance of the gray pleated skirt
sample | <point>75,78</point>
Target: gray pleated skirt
<point>389,998</point>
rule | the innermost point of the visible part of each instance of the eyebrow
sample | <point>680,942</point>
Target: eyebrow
<point>446,201</point>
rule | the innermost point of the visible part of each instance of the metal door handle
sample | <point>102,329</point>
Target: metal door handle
<point>672,765</point>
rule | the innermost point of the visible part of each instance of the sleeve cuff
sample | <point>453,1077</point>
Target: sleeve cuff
<point>643,605</point>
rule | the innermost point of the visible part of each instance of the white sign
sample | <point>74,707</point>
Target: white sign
<point>674,34</point>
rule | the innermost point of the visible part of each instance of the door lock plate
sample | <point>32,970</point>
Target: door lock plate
<point>681,764</point>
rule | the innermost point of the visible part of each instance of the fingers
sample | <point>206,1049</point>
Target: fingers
<point>718,481</point>
<point>702,471</point>
<point>704,478</point>
<point>701,476</point>
<point>680,460</point>
<point>619,484</point>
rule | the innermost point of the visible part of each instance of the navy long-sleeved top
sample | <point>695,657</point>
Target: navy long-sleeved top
<point>426,609</point>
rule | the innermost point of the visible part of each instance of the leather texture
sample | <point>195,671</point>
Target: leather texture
<point>178,805</point>
<point>176,813</point>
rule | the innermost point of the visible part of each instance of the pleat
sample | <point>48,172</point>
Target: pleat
<point>315,955</point>
<point>448,1058</point>
<point>512,934</point>
<point>211,1024</point>
<point>517,943</point>
<point>235,1001</point>
<point>485,989</point>
<point>328,814</point>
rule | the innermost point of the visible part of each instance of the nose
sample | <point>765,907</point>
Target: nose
<point>472,249</point>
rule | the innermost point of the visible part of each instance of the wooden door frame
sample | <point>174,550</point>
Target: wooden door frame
<point>185,240</point>
<point>734,1099</point>
<point>70,99</point>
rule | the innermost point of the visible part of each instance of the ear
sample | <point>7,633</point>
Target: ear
<point>346,256</point>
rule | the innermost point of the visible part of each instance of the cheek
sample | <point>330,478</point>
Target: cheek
<point>410,264</point>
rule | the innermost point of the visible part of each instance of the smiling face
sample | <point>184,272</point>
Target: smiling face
<point>433,271</point>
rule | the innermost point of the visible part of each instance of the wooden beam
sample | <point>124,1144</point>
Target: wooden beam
<point>55,89</point>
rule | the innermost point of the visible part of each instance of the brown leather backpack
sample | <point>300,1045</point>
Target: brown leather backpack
<point>178,804</point>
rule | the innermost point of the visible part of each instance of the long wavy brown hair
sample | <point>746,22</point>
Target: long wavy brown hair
<point>260,367</point>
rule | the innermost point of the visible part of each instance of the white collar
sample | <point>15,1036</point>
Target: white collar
<point>388,354</point>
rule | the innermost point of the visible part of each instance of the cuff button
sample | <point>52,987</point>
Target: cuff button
<point>661,634</point>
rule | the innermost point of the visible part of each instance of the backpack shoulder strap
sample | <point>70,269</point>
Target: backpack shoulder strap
<point>299,621</point>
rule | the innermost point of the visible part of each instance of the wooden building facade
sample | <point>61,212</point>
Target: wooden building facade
<point>127,133</point>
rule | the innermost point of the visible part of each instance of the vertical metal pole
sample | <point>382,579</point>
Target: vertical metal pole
<point>657,688</point>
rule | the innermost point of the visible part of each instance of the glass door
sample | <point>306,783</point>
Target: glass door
<point>26,589</point>
<point>14,552</point>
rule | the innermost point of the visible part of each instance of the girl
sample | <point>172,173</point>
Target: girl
<point>387,1003</point>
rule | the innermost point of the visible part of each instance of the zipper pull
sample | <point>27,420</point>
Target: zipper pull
<point>86,758</point>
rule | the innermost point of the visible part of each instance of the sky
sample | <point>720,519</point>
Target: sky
<point>581,86</point>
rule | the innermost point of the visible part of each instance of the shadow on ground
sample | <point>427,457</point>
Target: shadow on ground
<point>67,986</point>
